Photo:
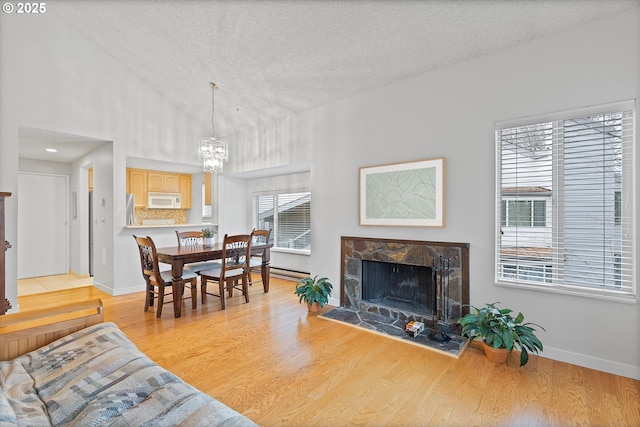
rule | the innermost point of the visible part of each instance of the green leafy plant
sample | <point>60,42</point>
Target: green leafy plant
<point>207,233</point>
<point>500,329</point>
<point>313,290</point>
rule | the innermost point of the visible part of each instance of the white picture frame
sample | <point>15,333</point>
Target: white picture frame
<point>403,194</point>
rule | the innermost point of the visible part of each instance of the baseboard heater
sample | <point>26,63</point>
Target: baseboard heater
<point>287,274</point>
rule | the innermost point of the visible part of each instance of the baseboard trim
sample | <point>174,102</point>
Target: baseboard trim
<point>591,362</point>
<point>284,273</point>
<point>119,291</point>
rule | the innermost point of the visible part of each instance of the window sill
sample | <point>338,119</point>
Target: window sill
<point>565,290</point>
<point>291,251</point>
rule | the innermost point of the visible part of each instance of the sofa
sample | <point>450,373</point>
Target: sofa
<point>96,376</point>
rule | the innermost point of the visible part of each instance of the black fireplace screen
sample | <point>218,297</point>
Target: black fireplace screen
<point>401,286</point>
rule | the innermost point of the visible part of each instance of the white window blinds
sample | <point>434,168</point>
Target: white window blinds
<point>565,202</point>
<point>288,215</point>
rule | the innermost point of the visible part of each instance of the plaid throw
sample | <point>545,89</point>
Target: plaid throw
<point>97,377</point>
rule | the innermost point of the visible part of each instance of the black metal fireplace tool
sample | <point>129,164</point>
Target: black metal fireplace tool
<point>442,287</point>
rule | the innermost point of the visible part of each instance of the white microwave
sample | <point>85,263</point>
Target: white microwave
<point>164,201</point>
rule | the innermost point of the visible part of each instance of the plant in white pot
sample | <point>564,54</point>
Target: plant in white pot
<point>501,332</point>
<point>207,237</point>
<point>315,292</point>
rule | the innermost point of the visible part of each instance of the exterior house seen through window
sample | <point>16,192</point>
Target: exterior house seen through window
<point>288,216</point>
<point>565,201</point>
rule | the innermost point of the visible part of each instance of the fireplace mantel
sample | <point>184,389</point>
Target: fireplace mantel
<point>410,252</point>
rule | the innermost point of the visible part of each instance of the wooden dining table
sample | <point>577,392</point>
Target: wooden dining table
<point>178,256</point>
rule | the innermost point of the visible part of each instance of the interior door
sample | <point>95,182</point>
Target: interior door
<point>42,225</point>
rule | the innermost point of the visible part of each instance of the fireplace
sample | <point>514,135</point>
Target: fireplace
<point>402,279</point>
<point>400,286</point>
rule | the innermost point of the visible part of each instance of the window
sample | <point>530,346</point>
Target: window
<point>565,201</point>
<point>290,220</point>
<point>206,209</point>
<point>525,213</point>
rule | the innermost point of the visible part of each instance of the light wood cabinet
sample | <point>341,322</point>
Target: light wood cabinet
<point>155,181</point>
<point>171,183</point>
<point>137,185</point>
<point>90,178</point>
<point>207,188</point>
<point>185,191</point>
<point>141,181</point>
<point>163,182</point>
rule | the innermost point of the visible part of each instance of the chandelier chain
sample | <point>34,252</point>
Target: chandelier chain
<point>213,151</point>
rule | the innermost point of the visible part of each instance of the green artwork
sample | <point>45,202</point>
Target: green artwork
<point>405,194</point>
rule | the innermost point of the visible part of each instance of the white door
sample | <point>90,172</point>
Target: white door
<point>42,225</point>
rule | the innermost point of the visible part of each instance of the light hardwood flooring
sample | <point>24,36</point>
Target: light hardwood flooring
<point>276,364</point>
<point>38,285</point>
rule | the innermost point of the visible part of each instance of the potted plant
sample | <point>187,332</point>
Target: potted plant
<point>207,236</point>
<point>500,331</point>
<point>315,292</point>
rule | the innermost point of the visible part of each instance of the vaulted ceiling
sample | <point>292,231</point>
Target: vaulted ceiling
<point>272,59</point>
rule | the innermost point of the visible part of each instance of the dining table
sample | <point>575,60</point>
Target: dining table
<point>178,256</point>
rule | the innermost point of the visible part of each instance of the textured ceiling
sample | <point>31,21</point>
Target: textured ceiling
<point>272,59</point>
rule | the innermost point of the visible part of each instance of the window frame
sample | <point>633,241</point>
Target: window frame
<point>627,293</point>
<point>533,219</point>
<point>275,229</point>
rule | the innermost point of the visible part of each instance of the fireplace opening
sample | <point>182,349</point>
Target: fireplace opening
<point>399,286</point>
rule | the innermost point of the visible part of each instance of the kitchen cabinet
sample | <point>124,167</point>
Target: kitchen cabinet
<point>207,188</point>
<point>90,178</point>
<point>185,191</point>
<point>137,185</point>
<point>171,183</point>
<point>141,181</point>
<point>163,182</point>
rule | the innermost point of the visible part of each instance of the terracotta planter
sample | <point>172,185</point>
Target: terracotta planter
<point>497,355</point>
<point>313,308</point>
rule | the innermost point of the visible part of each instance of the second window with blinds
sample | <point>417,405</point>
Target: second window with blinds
<point>288,216</point>
<point>565,201</point>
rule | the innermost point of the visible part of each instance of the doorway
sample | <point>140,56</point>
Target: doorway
<point>46,152</point>
<point>42,225</point>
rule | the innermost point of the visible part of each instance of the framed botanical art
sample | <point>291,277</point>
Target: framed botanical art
<point>403,194</point>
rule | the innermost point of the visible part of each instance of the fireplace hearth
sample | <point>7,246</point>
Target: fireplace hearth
<point>405,282</point>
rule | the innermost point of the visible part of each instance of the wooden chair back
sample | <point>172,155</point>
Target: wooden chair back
<point>189,238</point>
<point>236,252</point>
<point>149,259</point>
<point>260,237</point>
<point>234,269</point>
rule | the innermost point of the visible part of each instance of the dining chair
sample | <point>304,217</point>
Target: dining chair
<point>188,238</point>
<point>236,251</point>
<point>258,237</point>
<point>158,281</point>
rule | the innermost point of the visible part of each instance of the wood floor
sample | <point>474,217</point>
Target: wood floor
<point>271,361</point>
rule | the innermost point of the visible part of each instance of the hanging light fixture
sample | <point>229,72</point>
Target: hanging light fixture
<point>213,151</point>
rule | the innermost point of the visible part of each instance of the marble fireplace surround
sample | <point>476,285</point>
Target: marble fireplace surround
<point>410,252</point>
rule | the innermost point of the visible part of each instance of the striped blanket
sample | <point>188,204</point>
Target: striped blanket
<point>97,377</point>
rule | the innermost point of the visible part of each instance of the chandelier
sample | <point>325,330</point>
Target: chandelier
<point>213,151</point>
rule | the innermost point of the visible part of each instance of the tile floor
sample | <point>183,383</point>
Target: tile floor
<point>38,285</point>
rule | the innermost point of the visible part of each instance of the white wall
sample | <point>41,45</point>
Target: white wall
<point>451,113</point>
<point>42,166</point>
<point>54,78</point>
